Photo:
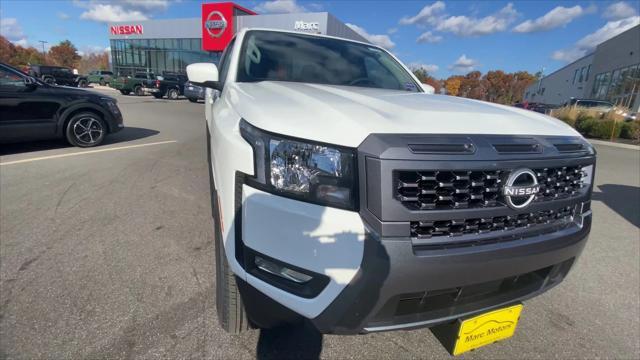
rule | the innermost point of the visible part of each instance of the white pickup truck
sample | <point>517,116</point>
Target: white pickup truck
<point>347,194</point>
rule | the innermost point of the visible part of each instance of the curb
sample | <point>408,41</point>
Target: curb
<point>612,144</point>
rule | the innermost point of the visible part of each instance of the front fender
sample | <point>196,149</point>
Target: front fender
<point>64,114</point>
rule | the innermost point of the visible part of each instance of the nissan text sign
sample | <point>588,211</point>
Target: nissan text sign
<point>126,30</point>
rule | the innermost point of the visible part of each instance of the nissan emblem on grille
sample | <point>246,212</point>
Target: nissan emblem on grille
<point>520,189</point>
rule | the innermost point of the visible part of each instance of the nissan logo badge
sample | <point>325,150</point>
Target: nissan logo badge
<point>215,24</point>
<point>521,189</point>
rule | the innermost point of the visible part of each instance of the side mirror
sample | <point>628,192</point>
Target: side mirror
<point>30,82</point>
<point>428,89</point>
<point>204,74</point>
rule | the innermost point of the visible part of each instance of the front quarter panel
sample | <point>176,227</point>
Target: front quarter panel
<point>230,154</point>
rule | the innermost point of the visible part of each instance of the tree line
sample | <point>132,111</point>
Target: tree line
<point>63,54</point>
<point>495,86</point>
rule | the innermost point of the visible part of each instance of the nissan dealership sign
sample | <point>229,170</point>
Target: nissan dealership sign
<point>126,30</point>
<point>217,24</point>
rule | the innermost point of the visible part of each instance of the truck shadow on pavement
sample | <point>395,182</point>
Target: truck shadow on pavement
<point>623,199</point>
<point>126,134</point>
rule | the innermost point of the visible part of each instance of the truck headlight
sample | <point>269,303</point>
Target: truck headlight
<point>303,170</point>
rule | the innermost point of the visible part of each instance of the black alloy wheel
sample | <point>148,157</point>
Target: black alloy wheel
<point>86,130</point>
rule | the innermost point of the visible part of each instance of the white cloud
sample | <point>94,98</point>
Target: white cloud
<point>380,40</point>
<point>588,43</point>
<point>428,37</point>
<point>112,13</point>
<point>392,30</point>
<point>120,10</point>
<point>62,16</point>
<point>434,15</point>
<point>429,68</point>
<point>11,29</point>
<point>22,42</point>
<point>620,10</point>
<point>426,16</point>
<point>471,26</point>
<point>558,16</point>
<point>464,64</point>
<point>149,5</point>
<point>280,7</point>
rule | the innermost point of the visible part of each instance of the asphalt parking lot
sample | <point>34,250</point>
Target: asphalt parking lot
<point>109,254</point>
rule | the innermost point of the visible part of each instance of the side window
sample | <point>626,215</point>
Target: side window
<point>225,61</point>
<point>10,80</point>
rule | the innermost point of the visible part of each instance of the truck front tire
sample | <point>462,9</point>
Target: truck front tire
<point>232,315</point>
<point>138,90</point>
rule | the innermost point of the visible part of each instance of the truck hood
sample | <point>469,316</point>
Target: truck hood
<point>346,115</point>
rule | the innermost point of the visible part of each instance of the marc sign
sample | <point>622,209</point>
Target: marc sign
<point>126,30</point>
<point>306,26</point>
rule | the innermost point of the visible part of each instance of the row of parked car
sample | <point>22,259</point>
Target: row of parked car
<point>169,85</point>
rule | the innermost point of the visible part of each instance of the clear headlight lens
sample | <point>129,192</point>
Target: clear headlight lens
<point>308,171</point>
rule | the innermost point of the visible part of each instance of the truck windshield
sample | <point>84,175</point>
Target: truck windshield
<point>277,56</point>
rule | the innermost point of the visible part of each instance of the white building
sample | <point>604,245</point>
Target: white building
<point>611,72</point>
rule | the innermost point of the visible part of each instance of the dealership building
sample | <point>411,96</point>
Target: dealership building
<point>611,72</point>
<point>160,46</point>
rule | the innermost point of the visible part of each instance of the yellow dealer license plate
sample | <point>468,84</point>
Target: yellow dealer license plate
<point>487,328</point>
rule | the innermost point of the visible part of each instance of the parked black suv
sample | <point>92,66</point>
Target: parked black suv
<point>31,109</point>
<point>57,75</point>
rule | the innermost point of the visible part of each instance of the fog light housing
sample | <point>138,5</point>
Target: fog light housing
<point>281,271</point>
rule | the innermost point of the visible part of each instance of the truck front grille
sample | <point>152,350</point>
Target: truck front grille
<point>429,229</point>
<point>463,189</point>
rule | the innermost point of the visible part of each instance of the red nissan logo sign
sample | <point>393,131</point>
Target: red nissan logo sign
<point>215,24</point>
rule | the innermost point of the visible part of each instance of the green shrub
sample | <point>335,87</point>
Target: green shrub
<point>602,129</point>
<point>630,130</point>
<point>585,124</point>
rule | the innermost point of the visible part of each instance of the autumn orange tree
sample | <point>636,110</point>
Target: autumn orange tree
<point>17,55</point>
<point>64,54</point>
<point>93,61</point>
<point>495,86</point>
<point>452,84</point>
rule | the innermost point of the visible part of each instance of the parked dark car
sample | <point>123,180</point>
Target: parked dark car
<point>57,75</point>
<point>169,85</point>
<point>31,109</point>
<point>136,83</point>
<point>102,77</point>
<point>193,92</point>
<point>598,105</point>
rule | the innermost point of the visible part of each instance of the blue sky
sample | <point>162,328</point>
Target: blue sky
<point>444,37</point>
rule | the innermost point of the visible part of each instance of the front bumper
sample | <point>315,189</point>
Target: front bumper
<point>400,288</point>
<point>380,284</point>
<point>150,91</point>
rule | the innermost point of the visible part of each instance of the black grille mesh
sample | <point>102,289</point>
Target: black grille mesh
<point>444,189</point>
<point>429,229</point>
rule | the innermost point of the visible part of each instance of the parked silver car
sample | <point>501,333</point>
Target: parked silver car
<point>193,92</point>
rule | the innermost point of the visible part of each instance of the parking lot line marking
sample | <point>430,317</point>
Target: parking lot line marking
<point>85,152</point>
